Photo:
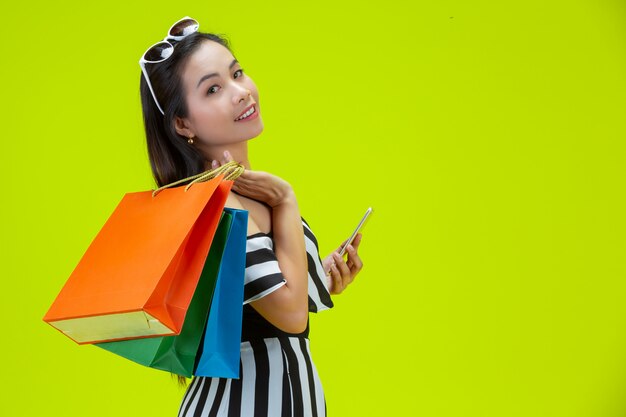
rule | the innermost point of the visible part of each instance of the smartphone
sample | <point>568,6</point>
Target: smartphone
<point>359,227</point>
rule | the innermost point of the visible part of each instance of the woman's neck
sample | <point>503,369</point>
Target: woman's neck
<point>239,152</point>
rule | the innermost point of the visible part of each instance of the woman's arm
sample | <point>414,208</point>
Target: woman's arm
<point>287,307</point>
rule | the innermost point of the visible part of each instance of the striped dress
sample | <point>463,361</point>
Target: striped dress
<point>277,376</point>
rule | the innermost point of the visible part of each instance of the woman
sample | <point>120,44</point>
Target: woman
<point>200,109</point>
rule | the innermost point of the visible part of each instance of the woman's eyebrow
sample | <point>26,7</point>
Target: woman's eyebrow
<point>213,74</point>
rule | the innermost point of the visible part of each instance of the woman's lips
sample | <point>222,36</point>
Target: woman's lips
<point>253,116</point>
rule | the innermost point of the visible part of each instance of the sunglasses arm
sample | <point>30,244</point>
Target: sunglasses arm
<point>145,75</point>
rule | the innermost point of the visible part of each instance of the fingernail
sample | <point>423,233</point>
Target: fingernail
<point>350,248</point>
<point>214,164</point>
<point>226,154</point>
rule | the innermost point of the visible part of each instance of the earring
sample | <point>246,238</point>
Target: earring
<point>190,140</point>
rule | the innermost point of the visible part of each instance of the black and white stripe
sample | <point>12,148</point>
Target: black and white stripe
<point>263,274</point>
<point>277,376</point>
<point>319,297</point>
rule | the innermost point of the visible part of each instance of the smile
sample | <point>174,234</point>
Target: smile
<point>250,114</point>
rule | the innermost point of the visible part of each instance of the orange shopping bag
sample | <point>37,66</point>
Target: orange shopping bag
<point>138,275</point>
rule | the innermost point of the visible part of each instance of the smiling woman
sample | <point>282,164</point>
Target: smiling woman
<point>200,110</point>
<point>217,99</point>
<point>194,100</point>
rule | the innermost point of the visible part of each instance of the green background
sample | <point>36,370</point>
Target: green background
<point>488,136</point>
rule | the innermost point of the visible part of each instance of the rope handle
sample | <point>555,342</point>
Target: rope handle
<point>231,171</point>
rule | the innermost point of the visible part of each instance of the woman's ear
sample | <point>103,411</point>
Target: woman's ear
<point>181,127</point>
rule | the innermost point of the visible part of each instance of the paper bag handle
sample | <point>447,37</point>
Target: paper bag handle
<point>231,171</point>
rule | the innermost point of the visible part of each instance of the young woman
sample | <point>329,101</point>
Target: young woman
<point>200,109</point>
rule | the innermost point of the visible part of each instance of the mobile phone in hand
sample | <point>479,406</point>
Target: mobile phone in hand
<point>359,227</point>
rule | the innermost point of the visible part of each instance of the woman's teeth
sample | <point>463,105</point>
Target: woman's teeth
<point>246,114</point>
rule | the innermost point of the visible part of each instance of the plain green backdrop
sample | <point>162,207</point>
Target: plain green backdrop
<point>488,136</point>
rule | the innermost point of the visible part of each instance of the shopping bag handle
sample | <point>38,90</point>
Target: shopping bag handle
<point>231,171</point>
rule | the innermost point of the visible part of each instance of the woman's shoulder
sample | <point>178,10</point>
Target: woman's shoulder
<point>259,215</point>
<point>307,232</point>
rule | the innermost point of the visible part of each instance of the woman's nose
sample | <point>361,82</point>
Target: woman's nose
<point>242,94</point>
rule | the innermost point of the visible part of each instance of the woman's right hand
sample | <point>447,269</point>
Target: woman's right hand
<point>260,185</point>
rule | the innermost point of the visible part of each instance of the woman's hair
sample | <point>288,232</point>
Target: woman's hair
<point>171,156</point>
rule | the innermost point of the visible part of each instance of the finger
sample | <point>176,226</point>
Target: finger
<point>244,177</point>
<point>357,240</point>
<point>355,262</point>
<point>241,186</point>
<point>238,189</point>
<point>326,264</point>
<point>247,191</point>
<point>343,268</point>
<point>237,186</point>
<point>336,278</point>
<point>337,281</point>
<point>248,175</point>
<point>349,263</point>
<point>341,246</point>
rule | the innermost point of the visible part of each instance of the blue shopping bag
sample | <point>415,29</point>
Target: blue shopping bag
<point>219,353</point>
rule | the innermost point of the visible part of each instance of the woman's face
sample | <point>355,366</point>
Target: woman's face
<point>217,93</point>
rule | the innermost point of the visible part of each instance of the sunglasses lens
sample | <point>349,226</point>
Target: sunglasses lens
<point>184,27</point>
<point>159,52</point>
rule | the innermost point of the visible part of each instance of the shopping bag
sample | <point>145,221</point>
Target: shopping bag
<point>138,275</point>
<point>220,352</point>
<point>177,354</point>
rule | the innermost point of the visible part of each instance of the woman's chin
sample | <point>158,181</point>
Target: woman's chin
<point>258,128</point>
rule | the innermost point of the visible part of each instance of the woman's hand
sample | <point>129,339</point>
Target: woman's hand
<point>259,185</point>
<point>342,272</point>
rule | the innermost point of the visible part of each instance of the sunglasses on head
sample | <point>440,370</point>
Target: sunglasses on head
<point>162,50</point>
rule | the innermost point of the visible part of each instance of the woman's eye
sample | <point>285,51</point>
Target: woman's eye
<point>213,88</point>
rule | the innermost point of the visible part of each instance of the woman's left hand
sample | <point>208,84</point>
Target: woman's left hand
<point>343,272</point>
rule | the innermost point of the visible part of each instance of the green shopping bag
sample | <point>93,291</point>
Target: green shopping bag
<point>177,354</point>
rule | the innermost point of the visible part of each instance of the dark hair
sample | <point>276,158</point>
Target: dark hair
<point>171,156</point>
